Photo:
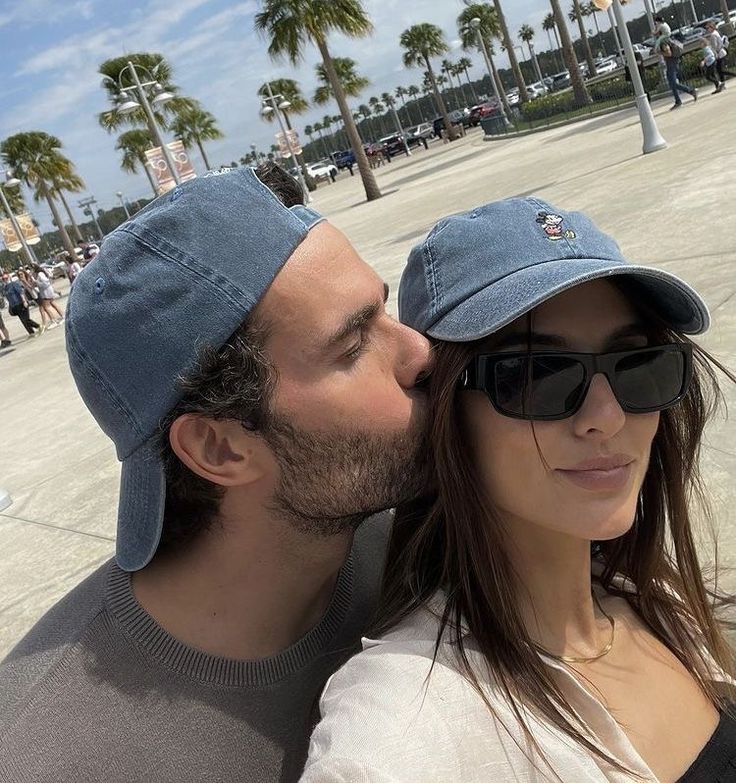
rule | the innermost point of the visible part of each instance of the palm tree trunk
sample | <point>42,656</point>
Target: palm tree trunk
<point>144,163</point>
<point>450,129</point>
<point>584,39</point>
<point>728,26</point>
<point>77,232</point>
<point>472,89</point>
<point>203,154</point>
<point>370,185</point>
<point>499,84</point>
<point>601,45</point>
<point>536,63</point>
<point>68,246</point>
<point>578,86</point>
<point>559,54</point>
<point>509,44</point>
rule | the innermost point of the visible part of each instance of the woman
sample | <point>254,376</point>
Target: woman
<point>543,615</point>
<point>46,296</point>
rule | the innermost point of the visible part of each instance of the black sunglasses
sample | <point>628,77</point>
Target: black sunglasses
<point>550,385</point>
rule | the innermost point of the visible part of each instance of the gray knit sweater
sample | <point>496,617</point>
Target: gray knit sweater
<point>98,691</point>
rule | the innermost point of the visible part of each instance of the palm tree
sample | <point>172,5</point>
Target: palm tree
<point>413,92</point>
<point>318,129</point>
<point>193,126</point>
<point>378,110</point>
<point>15,201</point>
<point>509,44</point>
<point>568,53</point>
<point>309,133</point>
<point>352,82</point>
<point>526,34</point>
<point>463,64</point>
<point>114,73</point>
<point>448,68</point>
<point>71,183</point>
<point>36,159</point>
<point>133,144</point>
<point>593,10</point>
<point>290,90</point>
<point>489,29</point>
<point>577,14</point>
<point>292,24</point>
<point>548,25</point>
<point>420,43</point>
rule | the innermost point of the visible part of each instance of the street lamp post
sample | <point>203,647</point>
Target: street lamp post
<point>272,104</point>
<point>475,24</point>
<point>129,105</point>
<point>13,182</point>
<point>653,140</point>
<point>619,51</point>
<point>124,205</point>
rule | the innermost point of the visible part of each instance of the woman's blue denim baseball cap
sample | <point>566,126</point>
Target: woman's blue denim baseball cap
<point>185,271</point>
<point>478,271</point>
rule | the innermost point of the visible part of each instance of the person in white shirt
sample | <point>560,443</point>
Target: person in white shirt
<point>544,616</point>
<point>719,44</point>
<point>46,304</point>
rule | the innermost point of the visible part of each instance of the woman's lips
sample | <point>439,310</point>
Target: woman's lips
<point>606,474</point>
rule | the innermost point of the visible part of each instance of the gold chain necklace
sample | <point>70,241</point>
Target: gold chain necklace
<point>604,651</point>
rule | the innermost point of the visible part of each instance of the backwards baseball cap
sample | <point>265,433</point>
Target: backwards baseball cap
<point>478,271</point>
<point>183,272</point>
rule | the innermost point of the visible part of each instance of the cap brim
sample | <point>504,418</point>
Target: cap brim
<point>503,301</point>
<point>141,507</point>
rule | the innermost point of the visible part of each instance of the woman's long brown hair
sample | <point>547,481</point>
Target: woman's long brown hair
<point>454,542</point>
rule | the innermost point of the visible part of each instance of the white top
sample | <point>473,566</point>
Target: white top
<point>385,720</point>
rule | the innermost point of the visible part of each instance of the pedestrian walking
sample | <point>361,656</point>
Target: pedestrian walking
<point>16,297</point>
<point>46,296</point>
<point>5,342</point>
<point>671,54</point>
<point>708,64</point>
<point>73,267</point>
<point>719,44</point>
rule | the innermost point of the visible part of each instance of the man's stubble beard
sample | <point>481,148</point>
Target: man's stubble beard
<point>331,481</point>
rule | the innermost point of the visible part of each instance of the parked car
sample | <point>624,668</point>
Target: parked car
<point>394,143</point>
<point>323,169</point>
<point>422,131</point>
<point>477,113</point>
<point>54,268</point>
<point>561,80</point>
<point>536,90</point>
<point>607,65</point>
<point>513,98</point>
<point>456,118</point>
<point>343,159</point>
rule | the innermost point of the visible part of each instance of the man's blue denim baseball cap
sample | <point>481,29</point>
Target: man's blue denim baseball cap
<point>478,271</point>
<point>183,272</point>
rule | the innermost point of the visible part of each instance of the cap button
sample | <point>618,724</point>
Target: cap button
<point>100,285</point>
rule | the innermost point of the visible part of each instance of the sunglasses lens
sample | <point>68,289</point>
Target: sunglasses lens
<point>537,387</point>
<point>648,380</point>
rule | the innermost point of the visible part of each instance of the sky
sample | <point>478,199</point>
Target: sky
<point>51,50</point>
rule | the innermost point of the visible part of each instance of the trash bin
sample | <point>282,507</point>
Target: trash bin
<point>493,125</point>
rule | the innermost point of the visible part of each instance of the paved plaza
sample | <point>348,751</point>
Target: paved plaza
<point>673,209</point>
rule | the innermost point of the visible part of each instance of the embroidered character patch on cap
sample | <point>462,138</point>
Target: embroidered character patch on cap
<point>552,226</point>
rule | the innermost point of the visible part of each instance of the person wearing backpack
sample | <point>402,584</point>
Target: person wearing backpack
<point>719,44</point>
<point>671,53</point>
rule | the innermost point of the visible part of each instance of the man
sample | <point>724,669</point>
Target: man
<point>15,295</point>
<point>671,52</point>
<point>263,403</point>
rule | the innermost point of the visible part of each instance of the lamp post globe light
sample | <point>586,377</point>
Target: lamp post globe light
<point>475,24</point>
<point>653,140</point>
<point>277,104</point>
<point>124,205</point>
<point>129,104</point>
<point>12,181</point>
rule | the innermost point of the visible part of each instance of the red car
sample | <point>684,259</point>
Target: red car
<point>477,113</point>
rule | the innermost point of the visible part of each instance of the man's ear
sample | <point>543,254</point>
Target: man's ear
<point>221,451</point>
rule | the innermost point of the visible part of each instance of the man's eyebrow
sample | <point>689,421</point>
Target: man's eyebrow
<point>354,323</point>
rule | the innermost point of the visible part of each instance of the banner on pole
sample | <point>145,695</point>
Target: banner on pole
<point>27,226</point>
<point>293,139</point>
<point>157,163</point>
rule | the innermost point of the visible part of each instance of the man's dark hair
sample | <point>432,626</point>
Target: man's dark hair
<point>234,381</point>
<point>659,18</point>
